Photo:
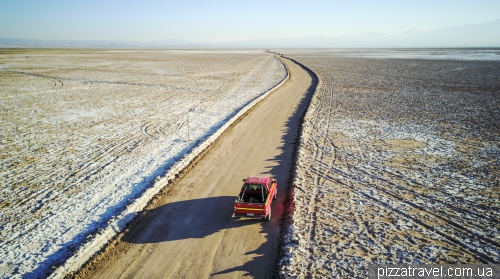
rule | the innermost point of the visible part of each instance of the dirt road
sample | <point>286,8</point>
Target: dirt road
<point>191,232</point>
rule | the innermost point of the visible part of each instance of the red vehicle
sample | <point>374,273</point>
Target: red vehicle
<point>256,197</point>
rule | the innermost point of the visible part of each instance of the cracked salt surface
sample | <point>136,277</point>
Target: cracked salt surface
<point>395,176</point>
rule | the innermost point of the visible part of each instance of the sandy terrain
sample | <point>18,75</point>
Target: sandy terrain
<point>399,162</point>
<point>86,132</point>
<point>189,232</point>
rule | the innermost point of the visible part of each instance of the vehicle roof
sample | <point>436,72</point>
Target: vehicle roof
<point>257,180</point>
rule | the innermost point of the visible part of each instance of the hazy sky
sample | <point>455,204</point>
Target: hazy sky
<point>219,21</point>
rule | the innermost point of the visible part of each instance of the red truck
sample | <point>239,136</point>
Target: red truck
<point>256,197</point>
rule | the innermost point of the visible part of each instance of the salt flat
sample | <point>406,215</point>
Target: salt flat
<point>399,162</point>
<point>85,132</point>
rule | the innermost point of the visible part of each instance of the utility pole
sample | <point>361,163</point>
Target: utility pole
<point>190,110</point>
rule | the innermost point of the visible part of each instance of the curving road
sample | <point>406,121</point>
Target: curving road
<point>190,233</point>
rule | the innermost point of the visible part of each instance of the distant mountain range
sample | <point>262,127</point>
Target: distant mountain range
<point>16,42</point>
<point>472,35</point>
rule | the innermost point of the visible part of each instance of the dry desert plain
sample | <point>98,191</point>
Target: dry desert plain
<point>86,132</point>
<point>399,162</point>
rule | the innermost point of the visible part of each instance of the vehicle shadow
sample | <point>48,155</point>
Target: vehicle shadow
<point>196,218</point>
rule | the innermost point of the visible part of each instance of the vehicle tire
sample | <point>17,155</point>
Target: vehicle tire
<point>268,217</point>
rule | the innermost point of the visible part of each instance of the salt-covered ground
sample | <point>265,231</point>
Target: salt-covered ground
<point>399,162</point>
<point>86,132</point>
